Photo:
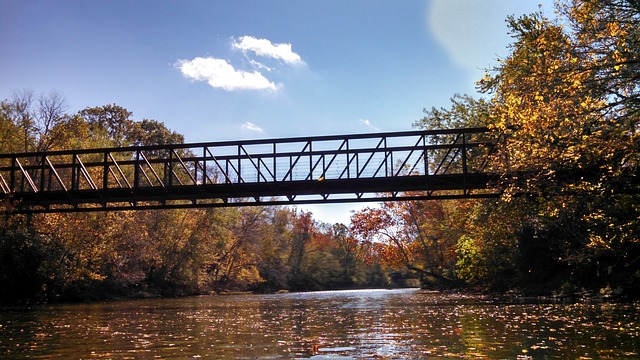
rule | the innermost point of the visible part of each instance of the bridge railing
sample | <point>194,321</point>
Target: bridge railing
<point>288,170</point>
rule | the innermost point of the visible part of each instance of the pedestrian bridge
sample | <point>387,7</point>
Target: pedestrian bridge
<point>437,164</point>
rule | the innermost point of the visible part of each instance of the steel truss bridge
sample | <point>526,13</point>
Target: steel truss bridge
<point>440,164</point>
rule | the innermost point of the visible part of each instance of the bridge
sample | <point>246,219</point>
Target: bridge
<point>410,165</point>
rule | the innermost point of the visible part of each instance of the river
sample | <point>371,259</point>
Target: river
<point>358,324</point>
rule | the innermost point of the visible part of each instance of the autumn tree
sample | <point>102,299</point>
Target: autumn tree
<point>567,99</point>
<point>349,250</point>
<point>72,256</point>
<point>274,248</point>
<point>19,111</point>
<point>302,231</point>
<point>38,123</point>
<point>606,34</point>
<point>414,234</point>
<point>9,130</point>
<point>238,256</point>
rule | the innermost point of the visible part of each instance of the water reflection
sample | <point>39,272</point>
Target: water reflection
<point>389,324</point>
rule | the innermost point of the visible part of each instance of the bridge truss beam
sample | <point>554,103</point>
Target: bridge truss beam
<point>439,164</point>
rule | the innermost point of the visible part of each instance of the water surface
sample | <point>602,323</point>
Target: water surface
<point>361,324</point>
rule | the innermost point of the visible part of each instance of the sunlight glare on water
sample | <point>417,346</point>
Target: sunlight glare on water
<point>358,324</point>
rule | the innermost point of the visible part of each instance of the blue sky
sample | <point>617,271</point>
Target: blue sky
<point>226,70</point>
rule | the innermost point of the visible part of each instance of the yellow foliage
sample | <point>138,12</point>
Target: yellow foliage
<point>597,242</point>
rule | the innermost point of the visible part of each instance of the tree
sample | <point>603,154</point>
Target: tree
<point>109,120</point>
<point>571,115</point>
<point>152,132</point>
<point>274,248</point>
<point>19,110</point>
<point>238,258</point>
<point>36,123</point>
<point>50,119</point>
<point>22,262</point>
<point>607,35</point>
<point>567,99</point>
<point>415,234</point>
<point>465,112</point>
<point>349,252</point>
<point>9,130</point>
<point>302,231</point>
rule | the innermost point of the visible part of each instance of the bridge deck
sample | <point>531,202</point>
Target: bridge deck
<point>323,169</point>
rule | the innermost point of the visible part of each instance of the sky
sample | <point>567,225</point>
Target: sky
<point>235,69</point>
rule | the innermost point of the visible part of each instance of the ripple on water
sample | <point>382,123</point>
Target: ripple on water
<point>325,325</point>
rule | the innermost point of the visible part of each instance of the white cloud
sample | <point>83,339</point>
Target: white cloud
<point>220,74</point>
<point>264,47</point>
<point>259,65</point>
<point>252,127</point>
<point>368,124</point>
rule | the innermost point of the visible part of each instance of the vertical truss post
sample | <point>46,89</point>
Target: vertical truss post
<point>52,172</point>
<point>42,175</point>
<point>387,154</point>
<point>425,156</point>
<point>74,175</point>
<point>357,155</point>
<point>105,172</point>
<point>390,161</point>
<point>195,170</point>
<point>275,167</point>
<point>12,180</point>
<point>348,164</point>
<point>258,175</point>
<point>464,155</point>
<point>168,175</point>
<point>136,173</point>
<point>240,162</point>
<point>464,165</point>
<point>310,160</point>
<point>204,164</point>
<point>226,171</point>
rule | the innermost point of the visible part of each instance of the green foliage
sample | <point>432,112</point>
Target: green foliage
<point>109,120</point>
<point>471,265</point>
<point>465,112</point>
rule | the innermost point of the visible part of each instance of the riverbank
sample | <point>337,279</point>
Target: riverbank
<point>104,294</point>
